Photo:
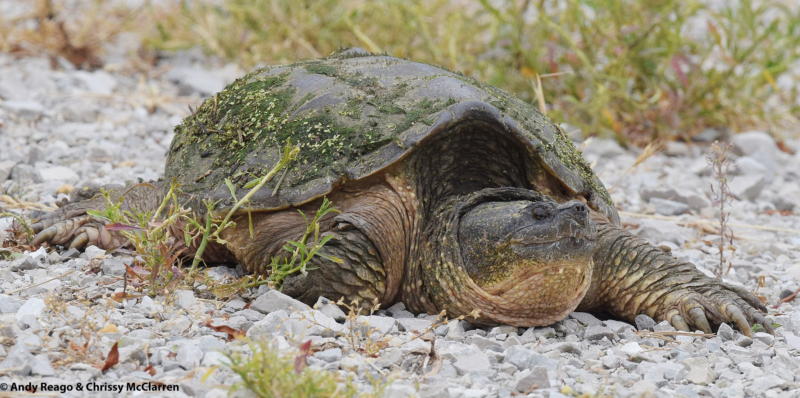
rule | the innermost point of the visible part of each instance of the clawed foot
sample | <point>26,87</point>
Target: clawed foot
<point>716,302</point>
<point>74,229</point>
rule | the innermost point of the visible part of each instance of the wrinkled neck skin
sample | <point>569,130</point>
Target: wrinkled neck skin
<point>525,294</point>
<point>436,275</point>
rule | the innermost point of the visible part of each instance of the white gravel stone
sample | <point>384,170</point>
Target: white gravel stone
<point>330,309</point>
<point>274,300</point>
<point>10,305</point>
<point>747,187</point>
<point>381,324</point>
<point>765,338</point>
<point>594,333</point>
<point>23,108</point>
<point>603,148</point>
<point>413,325</point>
<point>529,379</point>
<point>455,330</point>
<point>41,367</point>
<point>644,322</point>
<point>631,348</point>
<point>176,325</point>
<point>669,207</point>
<point>189,356</point>
<point>185,299</point>
<point>100,82</point>
<point>114,267</point>
<point>19,361</point>
<point>5,169</point>
<point>725,332</point>
<point>586,318</point>
<point>764,383</point>
<point>657,231</point>
<point>350,364</point>
<point>699,371</point>
<point>23,173</point>
<point>32,307</point>
<point>268,325</point>
<point>475,362</point>
<point>213,358</point>
<point>60,174</point>
<point>329,355</point>
<point>525,358</point>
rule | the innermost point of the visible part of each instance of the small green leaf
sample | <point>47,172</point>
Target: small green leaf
<point>331,258</point>
<point>231,188</point>
<point>97,214</point>
<point>252,183</point>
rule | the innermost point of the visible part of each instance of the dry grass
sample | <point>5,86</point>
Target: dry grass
<point>632,69</point>
<point>76,33</point>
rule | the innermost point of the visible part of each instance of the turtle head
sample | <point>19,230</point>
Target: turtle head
<point>529,259</point>
<point>541,237</point>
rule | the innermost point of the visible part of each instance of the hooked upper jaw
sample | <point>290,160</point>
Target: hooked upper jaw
<point>497,238</point>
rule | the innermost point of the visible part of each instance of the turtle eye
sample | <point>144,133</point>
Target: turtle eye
<point>541,212</point>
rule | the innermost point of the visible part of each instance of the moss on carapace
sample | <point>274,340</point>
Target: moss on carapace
<point>239,132</point>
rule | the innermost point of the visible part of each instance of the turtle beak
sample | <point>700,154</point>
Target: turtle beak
<point>575,216</point>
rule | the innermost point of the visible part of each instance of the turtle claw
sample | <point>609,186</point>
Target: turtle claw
<point>736,315</point>
<point>679,323</point>
<point>698,317</point>
<point>45,236</point>
<point>763,321</point>
<point>705,307</point>
<point>80,241</point>
<point>37,227</point>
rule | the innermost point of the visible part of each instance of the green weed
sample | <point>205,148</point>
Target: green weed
<point>268,374</point>
<point>631,69</point>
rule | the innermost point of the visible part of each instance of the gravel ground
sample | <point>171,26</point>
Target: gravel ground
<point>62,128</point>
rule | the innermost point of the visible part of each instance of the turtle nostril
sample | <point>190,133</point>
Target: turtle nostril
<point>580,207</point>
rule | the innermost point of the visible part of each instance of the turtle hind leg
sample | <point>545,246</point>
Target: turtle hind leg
<point>73,227</point>
<point>360,277</point>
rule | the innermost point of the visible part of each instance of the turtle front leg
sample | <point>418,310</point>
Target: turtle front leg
<point>633,277</point>
<point>360,277</point>
<point>72,226</point>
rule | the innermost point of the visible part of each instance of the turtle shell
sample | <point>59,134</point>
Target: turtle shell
<point>352,114</point>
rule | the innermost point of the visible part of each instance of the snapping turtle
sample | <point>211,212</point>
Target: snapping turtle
<point>454,195</point>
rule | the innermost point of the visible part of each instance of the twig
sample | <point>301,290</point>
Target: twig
<point>788,298</point>
<point>709,222</point>
<point>41,283</point>
<point>650,150</point>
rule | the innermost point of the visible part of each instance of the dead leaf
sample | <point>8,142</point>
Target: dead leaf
<point>232,333</point>
<point>783,147</point>
<point>300,359</point>
<point>112,358</point>
<point>122,227</point>
<point>119,296</point>
<point>780,212</point>
<point>151,370</point>
<point>110,328</point>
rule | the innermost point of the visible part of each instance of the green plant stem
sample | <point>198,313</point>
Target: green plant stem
<point>289,153</point>
<point>198,255</point>
<point>288,156</point>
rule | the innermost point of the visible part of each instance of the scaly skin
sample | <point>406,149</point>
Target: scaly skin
<point>633,277</point>
<point>628,276</point>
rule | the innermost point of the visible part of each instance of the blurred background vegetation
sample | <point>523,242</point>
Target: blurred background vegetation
<point>635,70</point>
